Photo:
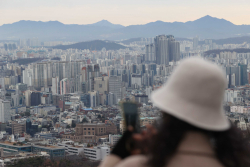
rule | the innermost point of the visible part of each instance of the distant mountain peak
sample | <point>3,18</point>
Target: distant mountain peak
<point>103,23</point>
<point>106,23</point>
<point>208,21</point>
<point>208,16</point>
<point>37,22</point>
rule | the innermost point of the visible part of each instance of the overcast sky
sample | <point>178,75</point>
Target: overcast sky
<point>125,12</point>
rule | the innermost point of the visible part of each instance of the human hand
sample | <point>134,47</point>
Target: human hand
<point>143,140</point>
<point>121,148</point>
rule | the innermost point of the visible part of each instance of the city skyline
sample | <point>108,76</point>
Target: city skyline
<point>124,13</point>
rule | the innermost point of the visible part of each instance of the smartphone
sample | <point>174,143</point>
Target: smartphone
<point>131,117</point>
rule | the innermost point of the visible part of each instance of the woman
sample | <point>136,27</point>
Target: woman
<point>194,131</point>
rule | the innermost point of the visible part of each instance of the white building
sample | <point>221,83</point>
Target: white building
<point>136,80</point>
<point>237,109</point>
<point>148,91</point>
<point>232,96</point>
<point>4,111</point>
<point>70,148</point>
<point>94,153</point>
<point>97,153</point>
<point>28,76</point>
<point>55,85</point>
<point>242,124</point>
<point>113,139</point>
<point>94,98</point>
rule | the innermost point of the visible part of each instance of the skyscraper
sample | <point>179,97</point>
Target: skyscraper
<point>166,49</point>
<point>42,75</point>
<point>174,51</point>
<point>233,75</point>
<point>150,53</point>
<point>115,86</point>
<point>4,111</point>
<point>55,85</point>
<point>161,50</point>
<point>195,42</point>
<point>243,74</point>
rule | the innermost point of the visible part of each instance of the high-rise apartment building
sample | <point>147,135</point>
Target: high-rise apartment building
<point>115,86</point>
<point>237,75</point>
<point>166,49</point>
<point>67,86</point>
<point>195,42</point>
<point>150,53</point>
<point>42,75</point>
<point>4,111</point>
<point>243,74</point>
<point>88,74</point>
<point>55,86</point>
<point>28,76</point>
<point>174,51</point>
<point>101,84</point>
<point>161,50</point>
<point>94,98</point>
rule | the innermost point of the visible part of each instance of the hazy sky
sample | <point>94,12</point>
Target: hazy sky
<point>125,12</point>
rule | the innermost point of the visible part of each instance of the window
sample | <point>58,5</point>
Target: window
<point>88,128</point>
<point>84,133</point>
<point>93,128</point>
<point>89,133</point>
<point>84,128</point>
<point>93,133</point>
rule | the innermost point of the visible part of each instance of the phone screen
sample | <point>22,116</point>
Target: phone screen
<point>130,110</point>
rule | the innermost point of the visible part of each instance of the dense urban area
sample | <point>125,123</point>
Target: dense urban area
<point>61,99</point>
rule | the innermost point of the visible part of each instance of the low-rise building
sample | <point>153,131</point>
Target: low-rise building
<point>97,153</point>
<point>88,133</point>
<point>113,139</point>
<point>71,148</point>
<point>53,151</point>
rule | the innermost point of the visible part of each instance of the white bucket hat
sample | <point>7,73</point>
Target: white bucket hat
<point>194,93</point>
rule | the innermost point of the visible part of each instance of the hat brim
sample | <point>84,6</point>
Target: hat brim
<point>194,114</point>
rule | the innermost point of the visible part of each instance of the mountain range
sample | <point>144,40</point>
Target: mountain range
<point>92,45</point>
<point>205,27</point>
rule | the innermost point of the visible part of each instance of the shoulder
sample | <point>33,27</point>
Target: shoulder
<point>133,161</point>
<point>192,161</point>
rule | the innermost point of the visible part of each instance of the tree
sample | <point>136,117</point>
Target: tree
<point>67,126</point>
<point>84,120</point>
<point>73,124</point>
<point>47,126</point>
<point>82,155</point>
<point>55,162</point>
<point>27,113</point>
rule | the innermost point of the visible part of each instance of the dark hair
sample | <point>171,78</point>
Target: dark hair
<point>231,149</point>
